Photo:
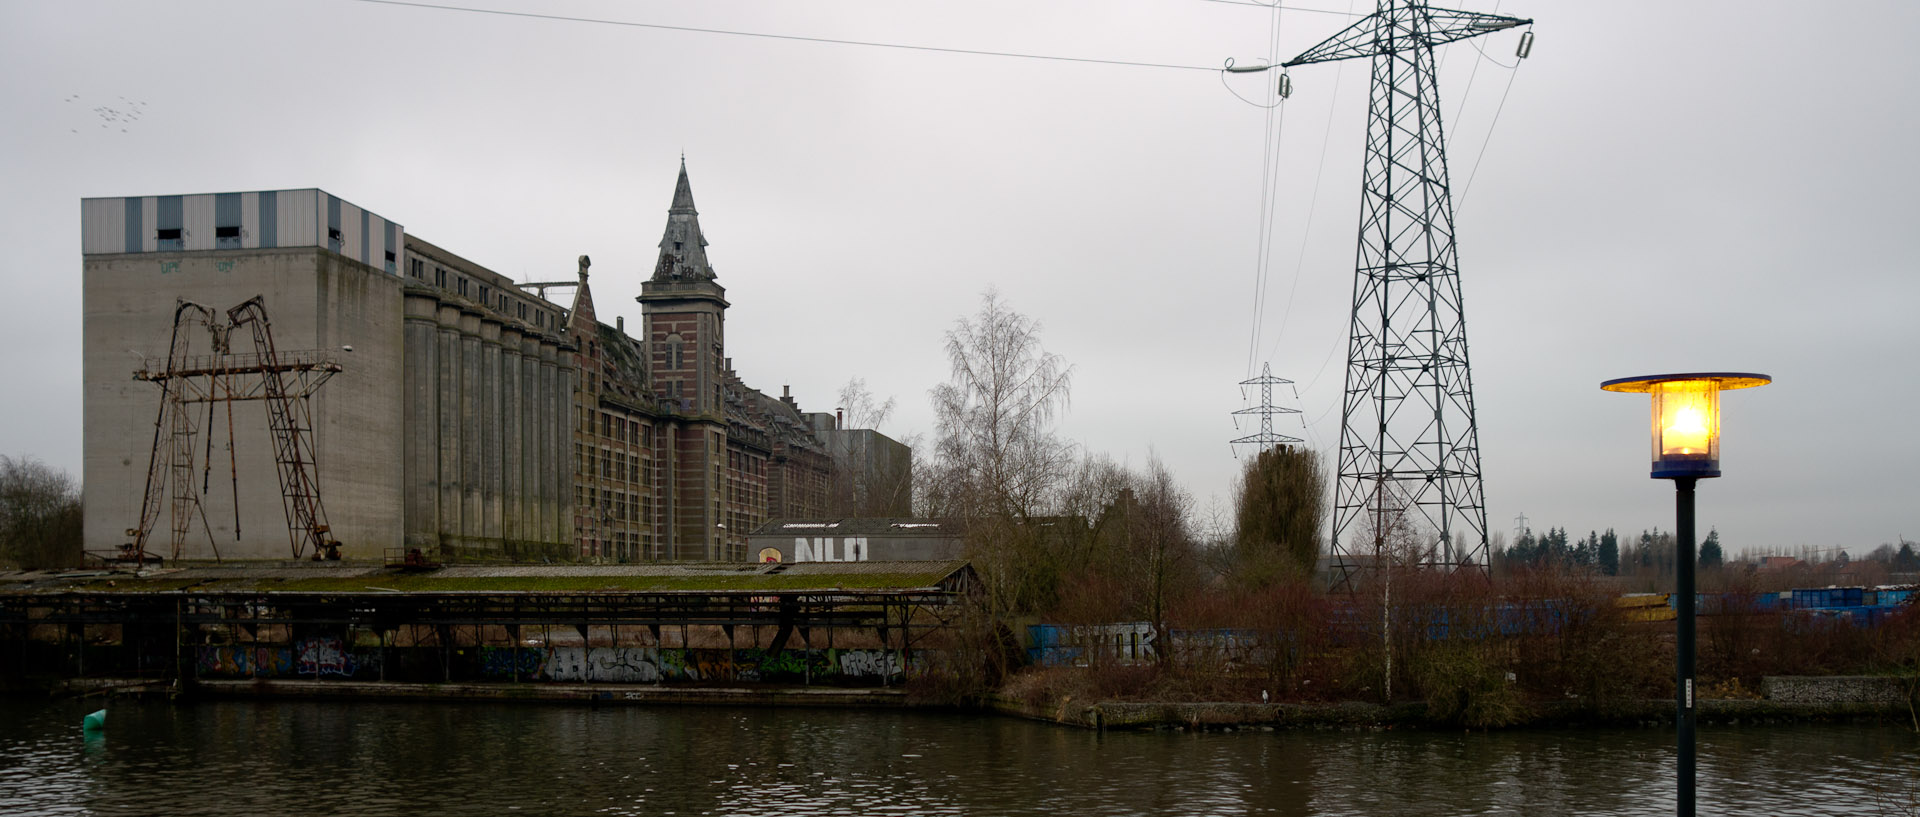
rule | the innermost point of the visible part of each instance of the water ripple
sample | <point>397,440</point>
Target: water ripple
<point>243,758</point>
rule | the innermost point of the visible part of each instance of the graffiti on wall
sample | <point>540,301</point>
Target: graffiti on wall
<point>829,549</point>
<point>1080,645</point>
<point>628,665</point>
<point>308,656</point>
<point>244,661</point>
<point>508,662</point>
<point>328,656</point>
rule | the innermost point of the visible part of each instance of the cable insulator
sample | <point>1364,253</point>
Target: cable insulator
<point>1526,45</point>
<point>1286,86</point>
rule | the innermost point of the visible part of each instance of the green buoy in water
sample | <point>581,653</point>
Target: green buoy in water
<point>95,721</point>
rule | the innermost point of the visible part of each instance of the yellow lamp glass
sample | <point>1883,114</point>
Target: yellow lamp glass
<point>1686,418</point>
<point>1686,425</point>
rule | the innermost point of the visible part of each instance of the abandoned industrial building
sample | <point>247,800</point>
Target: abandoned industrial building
<point>360,392</point>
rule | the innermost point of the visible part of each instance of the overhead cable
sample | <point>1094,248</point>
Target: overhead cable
<point>792,37</point>
<point>1257,4</point>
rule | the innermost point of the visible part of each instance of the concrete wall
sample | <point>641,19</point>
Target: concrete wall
<point>488,413</point>
<point>316,300</point>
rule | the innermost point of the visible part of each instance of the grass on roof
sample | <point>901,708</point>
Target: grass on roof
<point>428,583</point>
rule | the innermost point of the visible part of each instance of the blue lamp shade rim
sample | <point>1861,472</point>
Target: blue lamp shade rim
<point>1678,469</point>
<point>1725,380</point>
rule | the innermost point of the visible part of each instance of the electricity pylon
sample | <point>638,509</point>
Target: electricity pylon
<point>1408,488</point>
<point>1266,438</point>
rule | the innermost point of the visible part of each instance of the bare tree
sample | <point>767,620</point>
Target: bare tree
<point>1158,560</point>
<point>994,417</point>
<point>40,522</point>
<point>997,462</point>
<point>858,407</point>
<point>871,479</point>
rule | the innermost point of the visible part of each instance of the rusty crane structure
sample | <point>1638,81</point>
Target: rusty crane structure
<point>183,435</point>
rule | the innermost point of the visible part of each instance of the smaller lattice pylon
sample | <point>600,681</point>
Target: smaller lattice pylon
<point>1266,438</point>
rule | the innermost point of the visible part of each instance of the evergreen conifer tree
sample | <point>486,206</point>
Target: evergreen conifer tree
<point>1710,553</point>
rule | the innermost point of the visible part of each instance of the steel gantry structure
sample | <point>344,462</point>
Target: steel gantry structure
<point>1408,488</point>
<point>283,380</point>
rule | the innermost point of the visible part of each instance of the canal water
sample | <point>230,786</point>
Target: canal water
<point>298,757</point>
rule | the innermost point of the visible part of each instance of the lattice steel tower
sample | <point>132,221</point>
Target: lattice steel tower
<point>1266,438</point>
<point>1408,487</point>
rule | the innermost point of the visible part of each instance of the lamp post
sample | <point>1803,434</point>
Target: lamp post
<point>1686,449</point>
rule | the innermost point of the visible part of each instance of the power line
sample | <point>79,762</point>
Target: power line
<point>1348,13</point>
<point>1269,174</point>
<point>1471,76</point>
<point>792,37</point>
<point>1483,144</point>
<point>1313,206</point>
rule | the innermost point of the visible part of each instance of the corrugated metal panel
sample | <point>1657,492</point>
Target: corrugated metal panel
<point>344,217</point>
<point>249,220</point>
<point>352,241</point>
<point>330,234</point>
<point>197,218</point>
<point>228,229</point>
<point>267,219</point>
<point>135,216</point>
<point>377,246</point>
<point>170,214</point>
<point>299,212</point>
<point>149,217</point>
<point>170,223</point>
<point>103,225</point>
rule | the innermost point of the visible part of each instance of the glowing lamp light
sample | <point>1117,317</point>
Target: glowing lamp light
<point>1686,418</point>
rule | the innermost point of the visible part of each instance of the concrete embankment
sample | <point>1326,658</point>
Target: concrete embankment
<point>1799,699</point>
<point>854,697</point>
<point>1833,699</point>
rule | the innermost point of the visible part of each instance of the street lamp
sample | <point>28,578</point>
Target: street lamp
<point>1686,449</point>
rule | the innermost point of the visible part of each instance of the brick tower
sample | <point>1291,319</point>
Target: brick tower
<point>685,313</point>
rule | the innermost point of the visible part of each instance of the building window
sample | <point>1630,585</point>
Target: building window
<point>226,238</point>
<point>171,238</point>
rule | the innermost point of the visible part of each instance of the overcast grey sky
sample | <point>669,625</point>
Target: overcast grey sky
<point>1667,187</point>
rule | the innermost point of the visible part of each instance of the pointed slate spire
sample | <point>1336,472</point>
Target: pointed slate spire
<point>683,249</point>
<point>683,193</point>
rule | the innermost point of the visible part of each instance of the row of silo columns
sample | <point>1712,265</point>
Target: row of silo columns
<point>489,408</point>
